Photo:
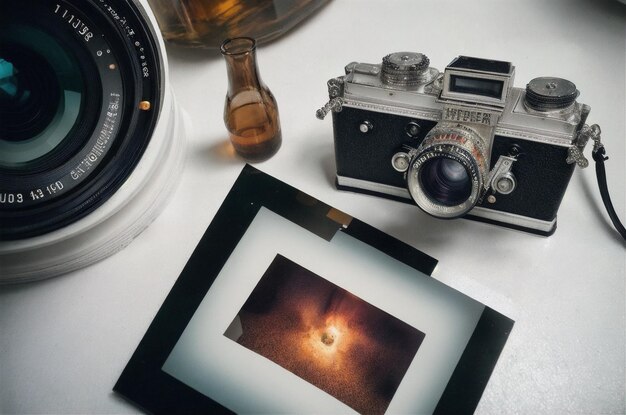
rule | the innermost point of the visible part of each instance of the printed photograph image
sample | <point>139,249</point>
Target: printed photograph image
<point>327,336</point>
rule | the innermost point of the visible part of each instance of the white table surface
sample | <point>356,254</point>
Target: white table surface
<point>65,341</point>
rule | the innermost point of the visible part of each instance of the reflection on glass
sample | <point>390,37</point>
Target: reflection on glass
<point>41,95</point>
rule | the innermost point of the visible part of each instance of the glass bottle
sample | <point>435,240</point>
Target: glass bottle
<point>250,111</point>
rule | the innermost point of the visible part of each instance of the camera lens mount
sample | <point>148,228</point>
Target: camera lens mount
<point>447,172</point>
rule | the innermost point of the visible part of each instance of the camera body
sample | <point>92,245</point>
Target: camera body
<point>463,142</point>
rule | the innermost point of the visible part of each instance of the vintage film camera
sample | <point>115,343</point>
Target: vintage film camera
<point>464,142</point>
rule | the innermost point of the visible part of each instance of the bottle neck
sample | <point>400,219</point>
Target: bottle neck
<point>241,65</point>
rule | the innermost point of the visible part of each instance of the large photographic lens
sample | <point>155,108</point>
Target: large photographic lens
<point>88,132</point>
<point>71,132</point>
<point>446,175</point>
<point>446,181</point>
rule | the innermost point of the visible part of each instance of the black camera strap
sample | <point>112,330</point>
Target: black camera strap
<point>599,155</point>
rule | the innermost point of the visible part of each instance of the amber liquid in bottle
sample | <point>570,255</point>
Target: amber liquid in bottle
<point>250,112</point>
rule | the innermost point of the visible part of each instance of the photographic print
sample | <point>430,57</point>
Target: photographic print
<point>327,336</point>
<point>294,323</point>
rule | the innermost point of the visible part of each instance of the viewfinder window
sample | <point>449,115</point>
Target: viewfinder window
<point>476,86</point>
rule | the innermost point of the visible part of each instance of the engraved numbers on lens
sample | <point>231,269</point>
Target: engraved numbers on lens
<point>11,198</point>
<point>37,194</point>
<point>49,190</point>
<point>81,28</point>
<point>145,70</point>
<point>54,187</point>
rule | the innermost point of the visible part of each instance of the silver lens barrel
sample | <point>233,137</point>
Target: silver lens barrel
<point>447,173</point>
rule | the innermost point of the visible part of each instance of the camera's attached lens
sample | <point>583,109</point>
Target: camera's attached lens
<point>447,173</point>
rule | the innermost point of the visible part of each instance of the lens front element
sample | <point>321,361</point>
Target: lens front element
<point>41,92</point>
<point>446,181</point>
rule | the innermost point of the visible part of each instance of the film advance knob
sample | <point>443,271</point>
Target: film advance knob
<point>549,93</point>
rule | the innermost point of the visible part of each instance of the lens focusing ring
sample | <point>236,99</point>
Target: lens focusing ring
<point>454,142</point>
